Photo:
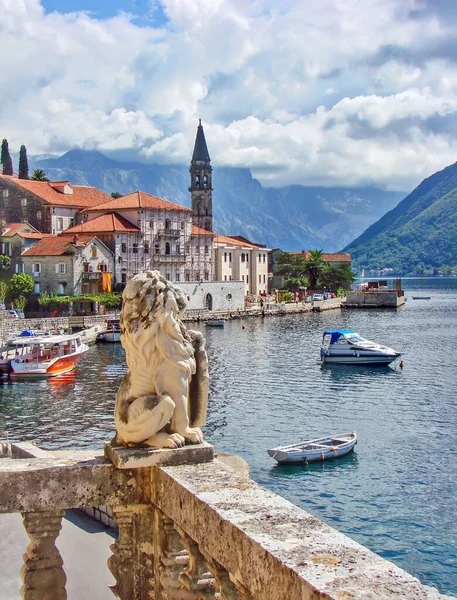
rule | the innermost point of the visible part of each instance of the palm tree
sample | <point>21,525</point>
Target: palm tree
<point>39,175</point>
<point>314,266</point>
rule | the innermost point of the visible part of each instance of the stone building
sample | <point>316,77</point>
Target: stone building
<point>69,265</point>
<point>241,260</point>
<point>164,238</point>
<point>17,238</point>
<point>50,207</point>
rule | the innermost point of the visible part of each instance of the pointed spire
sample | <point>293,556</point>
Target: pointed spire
<point>200,149</point>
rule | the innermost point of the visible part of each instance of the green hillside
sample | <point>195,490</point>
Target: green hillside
<point>419,236</point>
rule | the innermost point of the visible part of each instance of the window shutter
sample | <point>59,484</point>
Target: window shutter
<point>57,267</point>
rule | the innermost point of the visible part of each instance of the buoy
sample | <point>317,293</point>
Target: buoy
<point>243,327</point>
<point>401,364</point>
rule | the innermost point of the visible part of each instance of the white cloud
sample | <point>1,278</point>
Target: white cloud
<point>326,91</point>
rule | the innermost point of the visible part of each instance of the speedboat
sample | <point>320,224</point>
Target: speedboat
<point>324,448</point>
<point>113,331</point>
<point>46,356</point>
<point>347,347</point>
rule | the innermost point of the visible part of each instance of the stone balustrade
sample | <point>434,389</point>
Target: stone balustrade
<point>189,532</point>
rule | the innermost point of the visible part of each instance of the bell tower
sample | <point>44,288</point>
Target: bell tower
<point>201,189</point>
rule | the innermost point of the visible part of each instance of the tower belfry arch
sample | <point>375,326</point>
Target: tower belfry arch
<point>201,185</point>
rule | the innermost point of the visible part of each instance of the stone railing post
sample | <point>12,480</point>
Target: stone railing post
<point>132,562</point>
<point>42,572</point>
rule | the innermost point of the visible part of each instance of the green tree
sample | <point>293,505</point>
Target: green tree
<point>5,159</point>
<point>335,277</point>
<point>39,175</point>
<point>314,266</point>
<point>290,265</point>
<point>116,195</point>
<point>20,303</point>
<point>21,285</point>
<point>4,150</point>
<point>5,261</point>
<point>23,163</point>
<point>3,290</point>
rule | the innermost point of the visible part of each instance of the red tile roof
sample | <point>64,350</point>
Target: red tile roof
<point>13,228</point>
<point>104,224</point>
<point>231,241</point>
<point>139,200</point>
<point>199,231</point>
<point>83,196</point>
<point>56,245</point>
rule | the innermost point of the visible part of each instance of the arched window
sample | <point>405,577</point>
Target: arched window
<point>167,248</point>
<point>197,181</point>
<point>205,181</point>
<point>94,251</point>
<point>209,302</point>
<point>167,223</point>
<point>243,258</point>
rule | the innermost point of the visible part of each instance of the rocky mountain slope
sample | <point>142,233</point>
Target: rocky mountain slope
<point>418,236</point>
<point>292,218</point>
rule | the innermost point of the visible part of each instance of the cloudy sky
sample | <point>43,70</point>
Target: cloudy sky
<point>316,92</point>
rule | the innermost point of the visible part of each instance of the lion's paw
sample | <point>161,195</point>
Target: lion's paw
<point>193,434</point>
<point>165,440</point>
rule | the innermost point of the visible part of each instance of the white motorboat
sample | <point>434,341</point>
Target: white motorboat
<point>46,356</point>
<point>347,347</point>
<point>314,450</point>
<point>113,331</point>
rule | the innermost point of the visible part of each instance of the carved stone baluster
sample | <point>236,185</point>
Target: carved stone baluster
<point>170,559</point>
<point>42,573</point>
<point>196,577</point>
<point>132,563</point>
<point>227,589</point>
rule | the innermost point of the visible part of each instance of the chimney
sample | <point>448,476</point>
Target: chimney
<point>75,240</point>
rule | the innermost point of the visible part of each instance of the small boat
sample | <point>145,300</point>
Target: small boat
<point>421,297</point>
<point>215,323</point>
<point>46,356</point>
<point>347,347</point>
<point>113,331</point>
<point>314,450</point>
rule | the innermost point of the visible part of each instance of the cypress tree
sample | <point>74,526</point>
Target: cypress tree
<point>5,151</point>
<point>8,165</point>
<point>23,163</point>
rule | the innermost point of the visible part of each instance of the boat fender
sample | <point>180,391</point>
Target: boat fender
<point>358,354</point>
<point>322,456</point>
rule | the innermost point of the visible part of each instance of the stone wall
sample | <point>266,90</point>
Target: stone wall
<point>375,299</point>
<point>226,295</point>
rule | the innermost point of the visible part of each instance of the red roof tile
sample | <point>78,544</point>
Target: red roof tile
<point>14,228</point>
<point>56,245</point>
<point>199,231</point>
<point>82,197</point>
<point>104,224</point>
<point>139,200</point>
<point>230,241</point>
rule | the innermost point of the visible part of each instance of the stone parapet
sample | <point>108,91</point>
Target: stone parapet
<point>189,532</point>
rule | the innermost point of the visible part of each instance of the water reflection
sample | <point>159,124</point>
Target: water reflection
<point>394,494</point>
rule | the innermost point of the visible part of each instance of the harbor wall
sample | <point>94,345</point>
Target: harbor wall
<point>374,299</point>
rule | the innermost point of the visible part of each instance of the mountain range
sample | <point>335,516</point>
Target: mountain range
<point>417,237</point>
<point>292,218</point>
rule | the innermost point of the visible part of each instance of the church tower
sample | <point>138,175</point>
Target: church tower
<point>201,190</point>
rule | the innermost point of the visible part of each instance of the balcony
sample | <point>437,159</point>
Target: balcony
<point>92,276</point>
<point>188,530</point>
<point>166,258</point>
<point>170,232</point>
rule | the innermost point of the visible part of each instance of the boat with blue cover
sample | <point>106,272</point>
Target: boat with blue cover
<point>347,347</point>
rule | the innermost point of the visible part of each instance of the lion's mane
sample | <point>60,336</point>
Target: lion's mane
<point>151,328</point>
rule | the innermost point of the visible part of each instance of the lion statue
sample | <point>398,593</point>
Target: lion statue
<point>163,397</point>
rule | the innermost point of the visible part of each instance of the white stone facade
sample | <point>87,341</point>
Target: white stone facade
<point>214,295</point>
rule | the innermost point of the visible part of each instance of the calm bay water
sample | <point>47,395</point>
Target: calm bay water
<point>395,493</point>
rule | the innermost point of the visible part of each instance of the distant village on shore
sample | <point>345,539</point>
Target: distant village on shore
<point>77,240</point>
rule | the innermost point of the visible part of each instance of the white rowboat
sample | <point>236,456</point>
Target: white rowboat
<point>314,450</point>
